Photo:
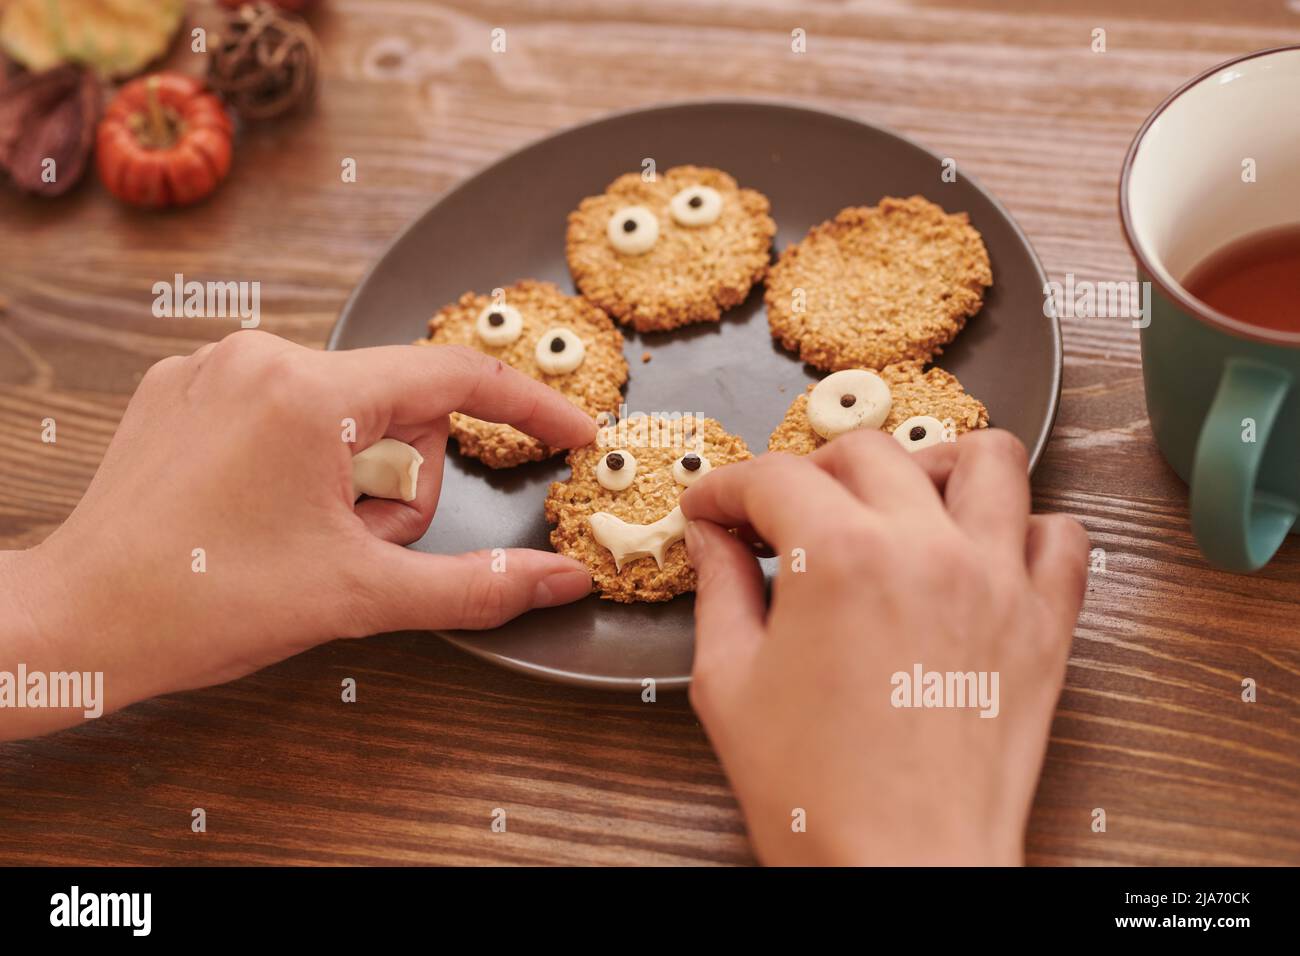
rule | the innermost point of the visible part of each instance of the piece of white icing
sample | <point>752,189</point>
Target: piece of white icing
<point>684,476</point>
<point>566,359</point>
<point>627,542</point>
<point>640,237</point>
<point>508,324</point>
<point>931,426</point>
<point>696,206</point>
<point>387,469</point>
<point>865,392</point>
<point>616,479</point>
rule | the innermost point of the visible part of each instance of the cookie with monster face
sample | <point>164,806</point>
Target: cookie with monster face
<point>918,407</point>
<point>683,247</point>
<point>617,512</point>
<point>561,340</point>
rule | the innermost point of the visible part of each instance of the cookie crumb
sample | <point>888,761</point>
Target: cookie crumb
<point>645,357</point>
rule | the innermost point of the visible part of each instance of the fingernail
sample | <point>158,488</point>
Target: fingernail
<point>561,588</point>
<point>694,538</point>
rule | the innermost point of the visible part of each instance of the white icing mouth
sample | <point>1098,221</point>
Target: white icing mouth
<point>627,542</point>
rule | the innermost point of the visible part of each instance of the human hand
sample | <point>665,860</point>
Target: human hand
<point>240,450</point>
<point>929,559</point>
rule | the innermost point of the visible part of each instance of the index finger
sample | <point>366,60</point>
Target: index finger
<point>987,492</point>
<point>877,469</point>
<point>411,384</point>
<point>780,496</point>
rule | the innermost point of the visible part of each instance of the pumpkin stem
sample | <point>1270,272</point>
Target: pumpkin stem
<point>157,126</point>
<point>159,129</point>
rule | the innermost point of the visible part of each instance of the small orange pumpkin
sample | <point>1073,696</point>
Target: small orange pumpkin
<point>164,141</point>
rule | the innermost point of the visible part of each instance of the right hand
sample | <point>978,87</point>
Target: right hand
<point>930,558</point>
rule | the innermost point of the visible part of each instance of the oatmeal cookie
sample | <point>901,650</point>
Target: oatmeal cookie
<point>919,408</point>
<point>561,340</point>
<point>617,513</point>
<point>878,285</point>
<point>662,254</point>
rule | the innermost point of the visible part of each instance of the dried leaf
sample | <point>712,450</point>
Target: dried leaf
<point>116,37</point>
<point>48,117</point>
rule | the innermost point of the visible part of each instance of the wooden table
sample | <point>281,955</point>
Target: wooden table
<point>1150,727</point>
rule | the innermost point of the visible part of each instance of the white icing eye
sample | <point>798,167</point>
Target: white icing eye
<point>499,324</point>
<point>616,470</point>
<point>690,468</point>
<point>696,206</point>
<point>633,230</point>
<point>919,431</point>
<point>559,350</point>
<point>848,400</point>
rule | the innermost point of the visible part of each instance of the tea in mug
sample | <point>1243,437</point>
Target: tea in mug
<point>1254,279</point>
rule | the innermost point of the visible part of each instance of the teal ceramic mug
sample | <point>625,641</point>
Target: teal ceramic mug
<point>1217,161</point>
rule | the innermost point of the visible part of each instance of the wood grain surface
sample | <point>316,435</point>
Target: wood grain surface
<point>1150,727</point>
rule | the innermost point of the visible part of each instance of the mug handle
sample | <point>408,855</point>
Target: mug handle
<point>1237,527</point>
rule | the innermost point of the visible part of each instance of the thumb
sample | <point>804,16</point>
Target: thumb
<point>411,590</point>
<point>729,602</point>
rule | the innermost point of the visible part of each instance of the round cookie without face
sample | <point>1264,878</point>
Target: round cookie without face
<point>628,531</point>
<point>659,255</point>
<point>913,393</point>
<point>561,340</point>
<point>878,285</point>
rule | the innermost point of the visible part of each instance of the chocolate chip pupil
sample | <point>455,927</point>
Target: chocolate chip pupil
<point>695,202</point>
<point>629,225</point>
<point>917,432</point>
<point>691,462</point>
<point>557,344</point>
<point>496,318</point>
<point>848,400</point>
<point>614,460</point>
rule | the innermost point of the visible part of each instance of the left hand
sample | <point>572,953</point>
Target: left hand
<point>239,450</point>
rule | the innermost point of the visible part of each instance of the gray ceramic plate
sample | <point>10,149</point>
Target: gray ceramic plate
<point>508,223</point>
